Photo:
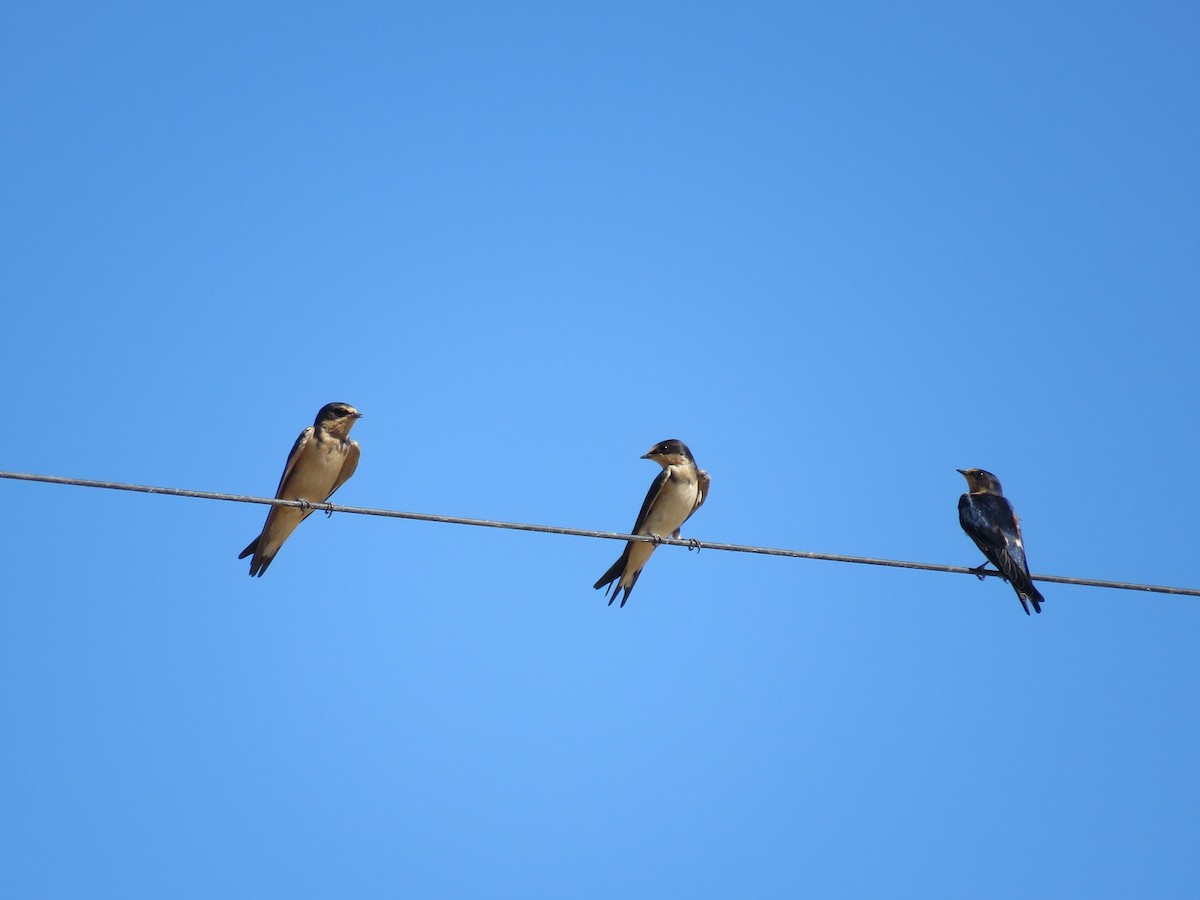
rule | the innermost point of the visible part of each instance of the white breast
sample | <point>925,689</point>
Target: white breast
<point>675,503</point>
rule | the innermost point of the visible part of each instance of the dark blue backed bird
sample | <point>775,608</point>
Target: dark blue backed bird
<point>679,490</point>
<point>988,519</point>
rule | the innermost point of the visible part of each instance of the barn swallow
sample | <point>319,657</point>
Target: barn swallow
<point>988,519</point>
<point>321,461</point>
<point>679,490</point>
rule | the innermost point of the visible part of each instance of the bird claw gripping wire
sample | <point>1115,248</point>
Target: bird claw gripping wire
<point>980,570</point>
<point>693,544</point>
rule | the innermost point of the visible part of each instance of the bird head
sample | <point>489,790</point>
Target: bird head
<point>981,481</point>
<point>670,453</point>
<point>337,418</point>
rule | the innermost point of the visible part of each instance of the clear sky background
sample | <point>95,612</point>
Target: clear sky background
<point>839,249</point>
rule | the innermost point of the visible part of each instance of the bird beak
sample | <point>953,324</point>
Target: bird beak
<point>644,456</point>
<point>961,471</point>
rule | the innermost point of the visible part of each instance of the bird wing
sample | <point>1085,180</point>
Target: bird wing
<point>348,467</point>
<point>656,488</point>
<point>989,521</point>
<point>702,483</point>
<point>617,570</point>
<point>297,449</point>
<point>1017,572</point>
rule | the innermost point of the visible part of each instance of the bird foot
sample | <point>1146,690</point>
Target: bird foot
<point>304,504</point>
<point>980,571</point>
<point>328,507</point>
<point>693,544</point>
<point>655,539</point>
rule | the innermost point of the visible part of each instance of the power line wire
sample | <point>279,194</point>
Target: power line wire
<point>582,532</point>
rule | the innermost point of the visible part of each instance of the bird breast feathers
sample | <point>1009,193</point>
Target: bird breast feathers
<point>675,503</point>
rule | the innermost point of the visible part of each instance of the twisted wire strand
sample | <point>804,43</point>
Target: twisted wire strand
<point>588,533</point>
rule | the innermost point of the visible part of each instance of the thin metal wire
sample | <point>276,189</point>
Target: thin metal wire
<point>583,532</point>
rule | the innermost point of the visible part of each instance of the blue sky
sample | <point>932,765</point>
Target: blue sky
<point>841,250</point>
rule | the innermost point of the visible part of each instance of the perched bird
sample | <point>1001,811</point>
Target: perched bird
<point>678,491</point>
<point>988,519</point>
<point>321,461</point>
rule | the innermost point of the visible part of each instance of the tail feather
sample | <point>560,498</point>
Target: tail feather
<point>1016,574</point>
<point>259,563</point>
<point>1034,596</point>
<point>612,578</point>
<point>616,569</point>
<point>613,573</point>
<point>628,590</point>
